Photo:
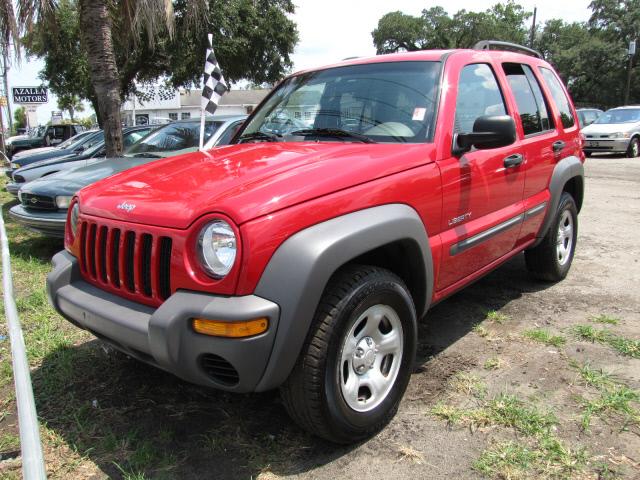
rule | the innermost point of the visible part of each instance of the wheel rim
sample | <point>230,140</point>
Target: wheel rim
<point>565,237</point>
<point>370,358</point>
<point>635,149</point>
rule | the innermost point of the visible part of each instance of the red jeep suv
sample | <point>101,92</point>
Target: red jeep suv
<point>303,255</point>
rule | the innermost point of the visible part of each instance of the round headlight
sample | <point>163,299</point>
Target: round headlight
<point>75,214</point>
<point>217,248</point>
<point>15,165</point>
<point>63,202</point>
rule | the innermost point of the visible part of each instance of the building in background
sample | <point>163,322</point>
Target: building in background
<point>158,106</point>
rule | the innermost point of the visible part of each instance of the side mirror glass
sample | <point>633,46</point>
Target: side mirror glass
<point>488,132</point>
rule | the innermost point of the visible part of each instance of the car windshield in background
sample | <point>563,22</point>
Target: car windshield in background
<point>625,115</point>
<point>172,139</point>
<point>380,102</point>
<point>76,140</point>
<point>38,132</point>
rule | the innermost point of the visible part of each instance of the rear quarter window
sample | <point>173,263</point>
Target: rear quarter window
<point>559,97</point>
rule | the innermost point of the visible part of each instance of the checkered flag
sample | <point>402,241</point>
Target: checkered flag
<point>214,84</point>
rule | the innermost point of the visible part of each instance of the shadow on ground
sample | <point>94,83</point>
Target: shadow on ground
<point>128,417</point>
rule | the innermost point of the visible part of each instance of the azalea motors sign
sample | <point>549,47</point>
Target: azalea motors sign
<point>30,95</point>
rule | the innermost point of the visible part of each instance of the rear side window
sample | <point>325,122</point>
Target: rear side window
<point>478,95</point>
<point>559,97</point>
<point>532,106</point>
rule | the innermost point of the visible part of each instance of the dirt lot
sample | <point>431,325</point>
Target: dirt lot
<point>514,379</point>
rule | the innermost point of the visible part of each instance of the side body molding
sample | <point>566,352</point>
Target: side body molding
<point>301,267</point>
<point>565,170</point>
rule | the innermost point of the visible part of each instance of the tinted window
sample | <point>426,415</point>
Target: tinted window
<point>387,102</point>
<point>529,98</point>
<point>559,97</point>
<point>226,137</point>
<point>478,95</point>
<point>133,137</point>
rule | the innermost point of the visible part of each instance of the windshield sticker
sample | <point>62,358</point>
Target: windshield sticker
<point>419,113</point>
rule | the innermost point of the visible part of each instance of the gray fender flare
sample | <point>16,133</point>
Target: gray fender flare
<point>299,270</point>
<point>565,170</point>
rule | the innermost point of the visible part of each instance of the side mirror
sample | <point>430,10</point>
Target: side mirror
<point>488,132</point>
<point>79,149</point>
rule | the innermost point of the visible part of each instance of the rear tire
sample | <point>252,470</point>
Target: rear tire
<point>551,259</point>
<point>357,359</point>
<point>634,148</point>
<point>588,154</point>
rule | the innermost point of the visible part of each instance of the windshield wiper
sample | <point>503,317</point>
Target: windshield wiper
<point>269,137</point>
<point>333,132</point>
<point>145,155</point>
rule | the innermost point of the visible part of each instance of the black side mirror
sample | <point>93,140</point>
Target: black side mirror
<point>488,132</point>
<point>79,149</point>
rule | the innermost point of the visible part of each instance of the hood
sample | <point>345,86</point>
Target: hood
<point>34,151</point>
<point>244,181</point>
<point>608,128</point>
<point>10,140</point>
<point>39,157</point>
<point>53,161</point>
<point>68,182</point>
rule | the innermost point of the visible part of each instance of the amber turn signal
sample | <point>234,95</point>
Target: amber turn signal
<point>217,328</point>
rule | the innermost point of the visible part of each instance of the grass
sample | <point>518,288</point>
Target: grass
<point>546,457</point>
<point>544,336</point>
<point>624,346</point>
<point>615,399</point>
<point>494,363</point>
<point>503,410</point>
<point>468,384</point>
<point>605,319</point>
<point>497,317</point>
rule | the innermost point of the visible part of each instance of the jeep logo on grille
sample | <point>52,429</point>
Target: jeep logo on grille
<point>126,206</point>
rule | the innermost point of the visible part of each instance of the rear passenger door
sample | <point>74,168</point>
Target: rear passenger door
<point>482,189</point>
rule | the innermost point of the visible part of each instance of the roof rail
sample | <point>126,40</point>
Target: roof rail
<point>510,47</point>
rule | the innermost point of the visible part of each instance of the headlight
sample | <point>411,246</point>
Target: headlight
<point>63,202</point>
<point>620,135</point>
<point>15,165</point>
<point>20,196</point>
<point>75,214</point>
<point>217,248</point>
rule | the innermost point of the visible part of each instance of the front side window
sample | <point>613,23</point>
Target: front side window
<point>559,97</point>
<point>478,95</point>
<point>529,98</point>
<point>382,102</point>
<point>173,138</point>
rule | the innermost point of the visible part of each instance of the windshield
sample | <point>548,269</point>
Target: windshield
<point>172,138</point>
<point>623,115</point>
<point>381,102</point>
<point>76,139</point>
<point>38,132</point>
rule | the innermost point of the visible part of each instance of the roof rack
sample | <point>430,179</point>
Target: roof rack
<point>511,47</point>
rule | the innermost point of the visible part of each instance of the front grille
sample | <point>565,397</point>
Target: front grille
<point>126,260</point>
<point>38,202</point>
<point>219,369</point>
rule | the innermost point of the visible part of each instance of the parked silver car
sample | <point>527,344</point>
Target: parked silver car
<point>615,131</point>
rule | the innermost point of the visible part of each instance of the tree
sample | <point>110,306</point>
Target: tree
<point>158,39</point>
<point>71,103</point>
<point>397,31</point>
<point>19,118</point>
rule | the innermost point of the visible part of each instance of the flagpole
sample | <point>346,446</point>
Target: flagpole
<point>202,106</point>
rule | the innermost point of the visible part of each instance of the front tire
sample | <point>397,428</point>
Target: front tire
<point>551,259</point>
<point>357,360</point>
<point>634,148</point>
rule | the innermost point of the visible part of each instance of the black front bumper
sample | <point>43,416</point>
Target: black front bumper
<point>163,336</point>
<point>50,223</point>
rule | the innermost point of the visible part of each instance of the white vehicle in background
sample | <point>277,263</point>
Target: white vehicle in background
<point>615,131</point>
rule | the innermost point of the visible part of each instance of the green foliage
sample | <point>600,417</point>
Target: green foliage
<point>544,336</point>
<point>252,40</point>
<point>19,118</point>
<point>436,29</point>
<point>71,103</point>
<point>625,346</point>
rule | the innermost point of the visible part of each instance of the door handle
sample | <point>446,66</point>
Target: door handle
<point>558,146</point>
<point>513,160</point>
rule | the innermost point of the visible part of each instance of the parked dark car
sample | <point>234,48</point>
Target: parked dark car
<point>52,135</point>
<point>130,135</point>
<point>44,202</point>
<point>73,145</point>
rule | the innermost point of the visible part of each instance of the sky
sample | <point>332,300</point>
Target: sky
<point>331,30</point>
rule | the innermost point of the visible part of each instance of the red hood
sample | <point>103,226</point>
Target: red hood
<point>243,181</point>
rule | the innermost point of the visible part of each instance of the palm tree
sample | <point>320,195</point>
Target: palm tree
<point>149,16</point>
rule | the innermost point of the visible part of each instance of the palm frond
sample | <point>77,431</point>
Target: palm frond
<point>147,16</point>
<point>9,32</point>
<point>31,11</point>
